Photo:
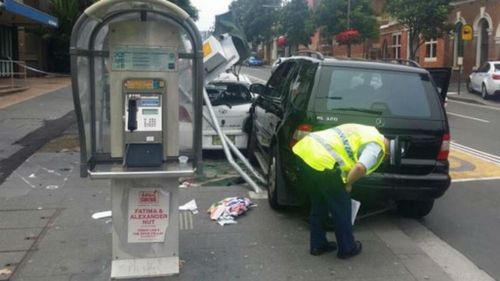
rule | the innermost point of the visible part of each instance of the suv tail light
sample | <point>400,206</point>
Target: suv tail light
<point>495,76</point>
<point>301,131</point>
<point>445,148</point>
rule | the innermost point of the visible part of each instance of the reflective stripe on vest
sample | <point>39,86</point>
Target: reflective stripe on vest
<point>328,148</point>
<point>345,141</point>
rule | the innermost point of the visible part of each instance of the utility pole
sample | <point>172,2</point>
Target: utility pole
<point>349,26</point>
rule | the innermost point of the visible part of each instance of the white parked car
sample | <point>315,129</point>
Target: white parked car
<point>231,101</point>
<point>485,80</point>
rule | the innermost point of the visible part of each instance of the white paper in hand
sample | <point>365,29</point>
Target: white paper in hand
<point>354,209</point>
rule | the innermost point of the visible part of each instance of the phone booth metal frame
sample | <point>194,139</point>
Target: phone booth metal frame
<point>93,75</point>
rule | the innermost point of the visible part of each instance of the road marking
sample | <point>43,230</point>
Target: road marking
<point>481,154</point>
<point>469,164</point>
<point>475,105</point>
<point>256,79</point>
<point>476,179</point>
<point>468,117</point>
<point>453,262</point>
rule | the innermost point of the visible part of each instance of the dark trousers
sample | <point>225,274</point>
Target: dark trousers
<point>328,196</point>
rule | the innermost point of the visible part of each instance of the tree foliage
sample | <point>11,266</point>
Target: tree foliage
<point>295,21</point>
<point>257,17</point>
<point>188,7</point>
<point>331,17</point>
<point>424,19</point>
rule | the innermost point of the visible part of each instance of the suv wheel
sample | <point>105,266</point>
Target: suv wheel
<point>274,180</point>
<point>415,209</point>
<point>484,92</point>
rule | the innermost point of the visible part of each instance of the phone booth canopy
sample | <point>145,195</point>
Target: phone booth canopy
<point>137,70</point>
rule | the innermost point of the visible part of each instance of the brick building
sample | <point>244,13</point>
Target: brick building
<point>484,16</point>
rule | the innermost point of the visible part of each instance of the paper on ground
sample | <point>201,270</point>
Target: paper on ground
<point>354,209</point>
<point>189,206</point>
<point>100,215</point>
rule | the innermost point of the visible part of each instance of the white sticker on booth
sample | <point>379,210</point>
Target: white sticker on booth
<point>148,215</point>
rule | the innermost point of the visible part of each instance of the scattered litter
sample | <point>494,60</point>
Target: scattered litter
<point>190,206</point>
<point>100,215</point>
<point>32,176</point>
<point>5,271</point>
<point>185,184</point>
<point>40,208</point>
<point>188,183</point>
<point>227,210</point>
<point>52,187</point>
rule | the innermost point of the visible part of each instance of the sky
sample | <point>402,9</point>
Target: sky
<point>207,9</point>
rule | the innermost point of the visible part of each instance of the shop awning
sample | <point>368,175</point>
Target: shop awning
<point>16,8</point>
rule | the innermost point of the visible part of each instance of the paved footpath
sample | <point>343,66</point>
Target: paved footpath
<point>47,232</point>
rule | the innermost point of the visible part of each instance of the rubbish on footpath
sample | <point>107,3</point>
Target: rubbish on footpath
<point>190,206</point>
<point>227,210</point>
<point>101,215</point>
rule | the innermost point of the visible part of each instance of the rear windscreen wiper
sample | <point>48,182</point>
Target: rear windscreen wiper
<point>364,110</point>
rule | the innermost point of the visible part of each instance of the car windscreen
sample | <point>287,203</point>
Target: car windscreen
<point>228,93</point>
<point>497,67</point>
<point>378,92</point>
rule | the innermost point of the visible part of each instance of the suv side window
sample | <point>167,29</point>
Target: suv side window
<point>278,80</point>
<point>301,87</point>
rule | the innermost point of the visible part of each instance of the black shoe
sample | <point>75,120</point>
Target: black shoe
<point>353,253</point>
<point>332,246</point>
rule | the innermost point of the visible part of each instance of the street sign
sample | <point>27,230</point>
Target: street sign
<point>467,32</point>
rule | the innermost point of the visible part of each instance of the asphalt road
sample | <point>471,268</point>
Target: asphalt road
<point>467,217</point>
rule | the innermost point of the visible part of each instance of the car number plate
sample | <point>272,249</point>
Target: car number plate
<point>216,139</point>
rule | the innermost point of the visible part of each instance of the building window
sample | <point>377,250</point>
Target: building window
<point>430,50</point>
<point>396,45</point>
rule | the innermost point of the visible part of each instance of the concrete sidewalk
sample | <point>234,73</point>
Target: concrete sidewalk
<point>31,118</point>
<point>47,233</point>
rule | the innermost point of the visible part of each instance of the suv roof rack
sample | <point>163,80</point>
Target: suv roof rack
<point>403,62</point>
<point>309,53</point>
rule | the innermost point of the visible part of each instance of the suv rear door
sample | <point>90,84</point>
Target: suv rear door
<point>399,104</point>
<point>441,77</point>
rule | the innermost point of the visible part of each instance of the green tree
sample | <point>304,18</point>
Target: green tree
<point>295,21</point>
<point>257,17</point>
<point>331,16</point>
<point>188,7</point>
<point>424,19</point>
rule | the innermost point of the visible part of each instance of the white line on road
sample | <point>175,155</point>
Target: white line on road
<point>477,153</point>
<point>256,79</point>
<point>454,263</point>
<point>474,105</point>
<point>476,179</point>
<point>468,117</point>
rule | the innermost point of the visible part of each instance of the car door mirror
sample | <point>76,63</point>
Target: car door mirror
<point>258,89</point>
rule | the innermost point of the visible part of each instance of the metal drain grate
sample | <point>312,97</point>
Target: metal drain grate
<point>185,220</point>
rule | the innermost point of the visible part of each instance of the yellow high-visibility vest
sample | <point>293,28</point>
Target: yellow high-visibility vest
<point>341,146</point>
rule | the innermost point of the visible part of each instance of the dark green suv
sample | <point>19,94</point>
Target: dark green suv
<point>404,103</point>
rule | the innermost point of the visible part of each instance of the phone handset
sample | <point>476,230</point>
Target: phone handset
<point>132,115</point>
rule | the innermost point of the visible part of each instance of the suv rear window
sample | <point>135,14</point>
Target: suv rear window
<point>381,92</point>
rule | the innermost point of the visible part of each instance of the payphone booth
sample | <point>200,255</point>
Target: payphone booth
<point>137,70</point>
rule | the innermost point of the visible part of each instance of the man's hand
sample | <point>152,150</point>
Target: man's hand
<point>354,175</point>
